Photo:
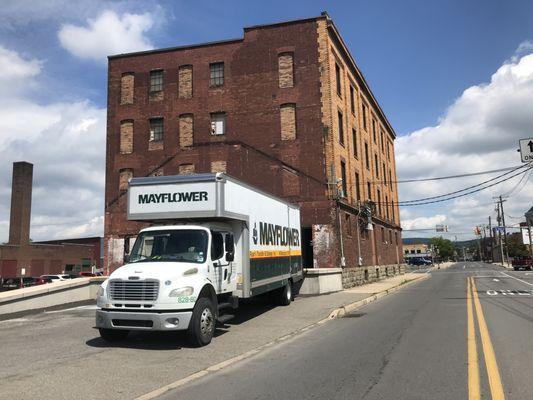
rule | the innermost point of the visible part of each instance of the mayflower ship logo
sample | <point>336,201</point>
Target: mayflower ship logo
<point>254,235</point>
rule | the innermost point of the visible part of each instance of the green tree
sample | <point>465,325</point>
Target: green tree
<point>515,247</point>
<point>444,246</point>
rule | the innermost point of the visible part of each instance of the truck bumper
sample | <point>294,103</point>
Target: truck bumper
<point>172,321</point>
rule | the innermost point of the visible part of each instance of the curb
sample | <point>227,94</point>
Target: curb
<point>336,313</point>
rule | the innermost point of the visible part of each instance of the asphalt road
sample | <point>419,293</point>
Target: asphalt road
<point>410,345</point>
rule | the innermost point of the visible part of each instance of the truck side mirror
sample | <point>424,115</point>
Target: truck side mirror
<point>230,256</point>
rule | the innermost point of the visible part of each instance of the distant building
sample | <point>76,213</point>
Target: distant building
<point>285,109</point>
<point>20,256</point>
<point>416,250</point>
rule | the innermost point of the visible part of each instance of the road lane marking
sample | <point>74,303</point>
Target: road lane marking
<point>473,365</point>
<point>514,277</point>
<point>493,373</point>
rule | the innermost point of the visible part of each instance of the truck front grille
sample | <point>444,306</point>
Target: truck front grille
<point>133,290</point>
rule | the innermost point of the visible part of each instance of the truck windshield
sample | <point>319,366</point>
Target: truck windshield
<point>170,245</point>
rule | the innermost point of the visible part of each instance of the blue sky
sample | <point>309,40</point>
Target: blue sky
<point>418,56</point>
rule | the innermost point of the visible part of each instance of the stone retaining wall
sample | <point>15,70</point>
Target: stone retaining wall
<point>360,275</point>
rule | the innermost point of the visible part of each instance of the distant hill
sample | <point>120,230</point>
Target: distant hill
<point>462,243</point>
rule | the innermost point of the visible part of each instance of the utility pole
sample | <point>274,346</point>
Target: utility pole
<point>504,231</point>
<point>491,242</point>
<point>499,219</point>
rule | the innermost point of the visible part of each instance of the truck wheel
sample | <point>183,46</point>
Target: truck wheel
<point>202,325</point>
<point>113,335</point>
<point>284,295</point>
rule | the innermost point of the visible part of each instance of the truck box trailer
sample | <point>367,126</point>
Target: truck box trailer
<point>212,241</point>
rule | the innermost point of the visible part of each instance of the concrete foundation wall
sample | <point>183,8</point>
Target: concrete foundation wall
<point>361,275</point>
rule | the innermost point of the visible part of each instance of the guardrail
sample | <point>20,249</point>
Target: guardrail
<point>38,298</point>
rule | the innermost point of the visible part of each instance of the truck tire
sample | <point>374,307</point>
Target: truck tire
<point>113,335</point>
<point>202,325</point>
<point>284,295</point>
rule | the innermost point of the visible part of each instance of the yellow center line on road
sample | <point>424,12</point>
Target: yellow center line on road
<point>473,366</point>
<point>493,373</point>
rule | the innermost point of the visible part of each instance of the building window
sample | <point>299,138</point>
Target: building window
<point>126,137</point>
<point>418,251</point>
<point>125,176</point>
<point>412,251</point>
<point>354,141</point>
<point>156,129</point>
<point>186,130</point>
<point>216,74</point>
<point>218,166</point>
<point>374,131</point>
<point>352,99</point>
<point>127,85</point>
<point>388,151</point>
<point>383,235</point>
<point>392,208</point>
<point>369,190</point>
<point>287,116</point>
<point>376,166</point>
<point>343,177</point>
<point>381,140</point>
<point>186,169</point>
<point>218,123</point>
<point>341,128</point>
<point>286,70</point>
<point>364,116</point>
<point>384,175</point>
<point>390,180</point>
<point>156,81</point>
<point>156,172</point>
<point>185,81</point>
<point>338,79</point>
<point>387,207</point>
<point>367,158</point>
<point>357,187</point>
<point>406,251</point>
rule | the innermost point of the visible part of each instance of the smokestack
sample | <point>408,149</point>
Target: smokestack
<point>19,222</point>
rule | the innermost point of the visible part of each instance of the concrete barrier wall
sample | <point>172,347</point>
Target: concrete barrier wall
<point>49,295</point>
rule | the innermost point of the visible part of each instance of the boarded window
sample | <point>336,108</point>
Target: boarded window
<point>125,176</point>
<point>218,123</point>
<point>355,144</point>
<point>286,70</point>
<point>352,99</point>
<point>126,137</point>
<point>186,130</point>
<point>288,121</point>
<point>185,82</point>
<point>218,166</point>
<point>290,182</point>
<point>338,79</point>
<point>127,84</point>
<point>357,187</point>
<point>186,169</point>
<point>367,159</point>
<point>364,116</point>
<point>344,184</point>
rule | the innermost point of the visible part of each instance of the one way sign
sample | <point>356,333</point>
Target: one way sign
<point>526,149</point>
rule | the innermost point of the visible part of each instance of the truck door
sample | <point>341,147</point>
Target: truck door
<point>222,251</point>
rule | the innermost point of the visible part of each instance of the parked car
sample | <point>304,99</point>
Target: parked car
<point>55,278</point>
<point>420,261</point>
<point>42,281</point>
<point>522,262</point>
<point>17,283</point>
<point>90,274</point>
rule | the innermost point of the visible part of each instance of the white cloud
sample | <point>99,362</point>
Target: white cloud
<point>423,222</point>
<point>108,34</point>
<point>478,132</point>
<point>66,144</point>
<point>16,72</point>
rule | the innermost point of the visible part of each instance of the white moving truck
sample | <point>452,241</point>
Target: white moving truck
<point>214,240</point>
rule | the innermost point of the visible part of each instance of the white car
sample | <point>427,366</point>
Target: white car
<point>55,278</point>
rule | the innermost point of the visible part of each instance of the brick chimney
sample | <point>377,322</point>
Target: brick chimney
<point>19,222</point>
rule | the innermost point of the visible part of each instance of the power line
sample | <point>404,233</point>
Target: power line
<point>461,190</point>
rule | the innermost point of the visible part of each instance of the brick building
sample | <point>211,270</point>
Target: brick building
<point>286,109</point>
<point>21,256</point>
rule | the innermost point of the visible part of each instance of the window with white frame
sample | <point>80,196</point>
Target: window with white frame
<point>218,123</point>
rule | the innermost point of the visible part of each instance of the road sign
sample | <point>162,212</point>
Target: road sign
<point>526,149</point>
<point>441,228</point>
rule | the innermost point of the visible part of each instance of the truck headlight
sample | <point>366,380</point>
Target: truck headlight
<point>100,292</point>
<point>183,291</point>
